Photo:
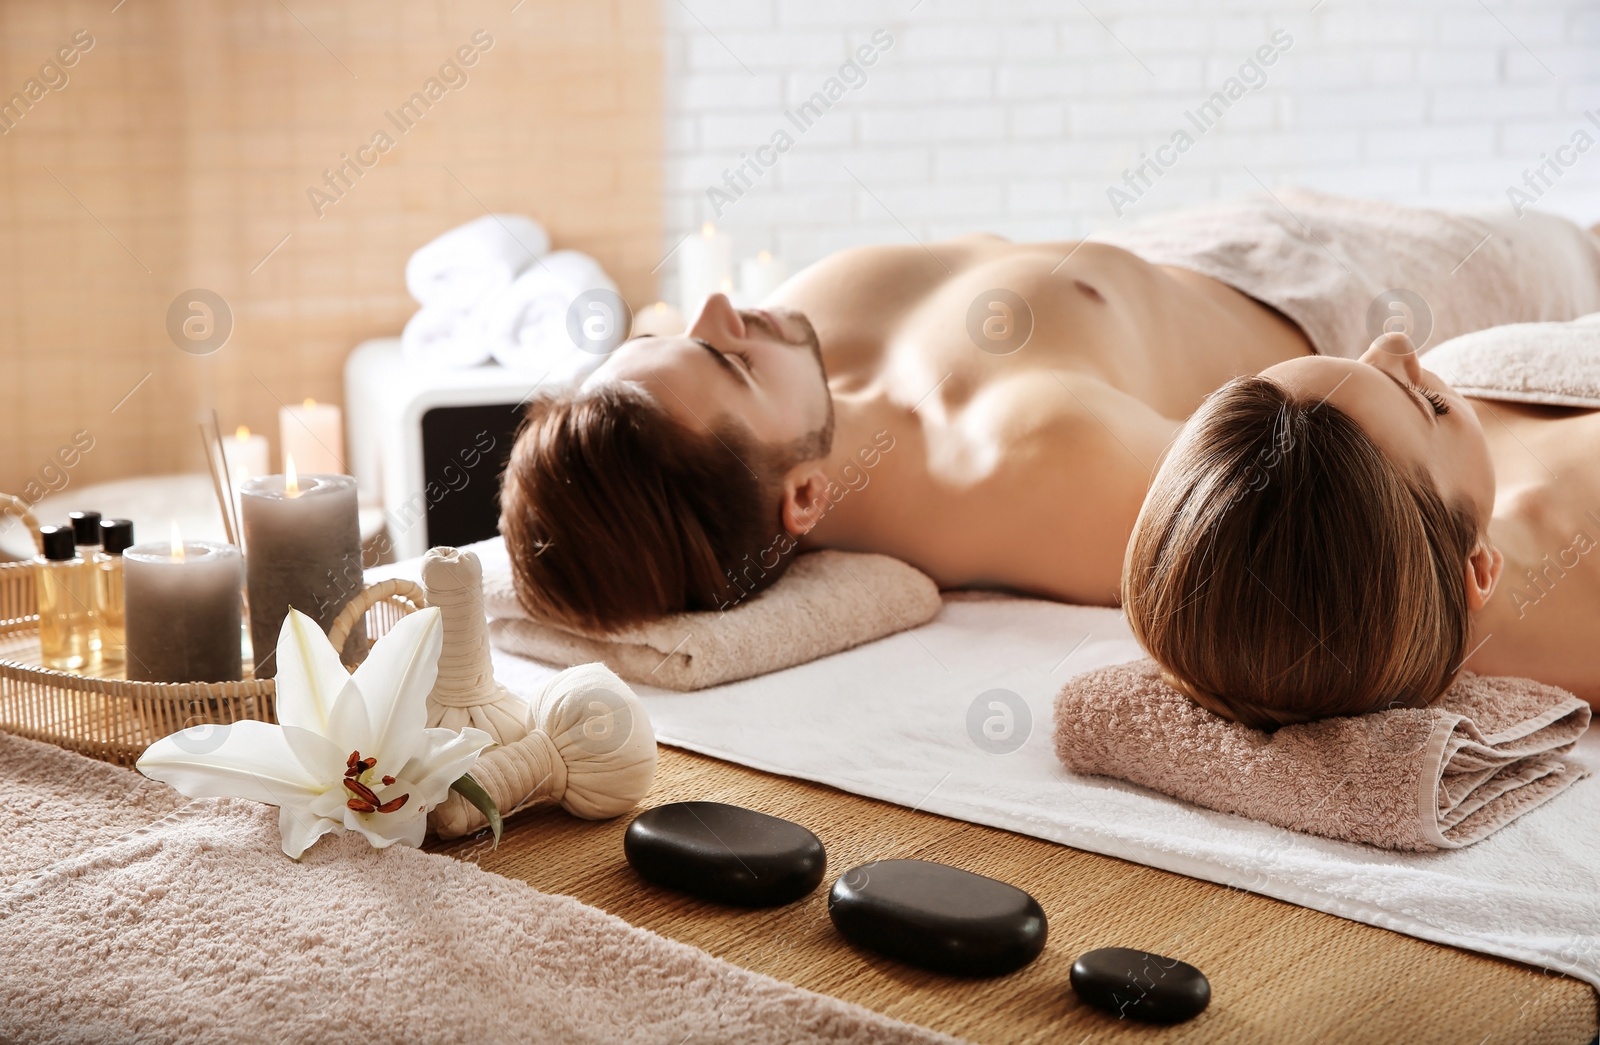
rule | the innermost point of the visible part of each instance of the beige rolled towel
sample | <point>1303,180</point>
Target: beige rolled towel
<point>1439,777</point>
<point>1554,364</point>
<point>828,601</point>
<point>589,747</point>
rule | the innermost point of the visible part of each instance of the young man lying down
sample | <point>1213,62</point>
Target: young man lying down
<point>990,412</point>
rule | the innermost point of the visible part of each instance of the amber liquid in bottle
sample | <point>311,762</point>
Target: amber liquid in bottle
<point>63,613</point>
<point>108,606</point>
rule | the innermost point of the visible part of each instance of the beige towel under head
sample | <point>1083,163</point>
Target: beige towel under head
<point>1439,777</point>
<point>1554,364</point>
<point>827,602</point>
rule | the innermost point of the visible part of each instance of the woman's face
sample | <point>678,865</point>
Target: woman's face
<point>1414,417</point>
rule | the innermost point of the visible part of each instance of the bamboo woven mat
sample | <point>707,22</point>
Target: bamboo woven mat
<point>1280,974</point>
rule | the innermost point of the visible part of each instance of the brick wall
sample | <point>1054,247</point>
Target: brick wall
<point>1019,122</point>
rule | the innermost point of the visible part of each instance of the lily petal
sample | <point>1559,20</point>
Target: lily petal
<point>348,727</point>
<point>310,677</point>
<point>444,757</point>
<point>299,827</point>
<point>409,825</point>
<point>251,760</point>
<point>395,681</point>
<point>322,759</point>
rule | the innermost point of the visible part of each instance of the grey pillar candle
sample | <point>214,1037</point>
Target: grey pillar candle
<point>183,611</point>
<point>302,543</point>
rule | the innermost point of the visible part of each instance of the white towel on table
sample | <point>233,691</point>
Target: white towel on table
<point>473,261</point>
<point>893,720</point>
<point>443,339</point>
<point>525,325</point>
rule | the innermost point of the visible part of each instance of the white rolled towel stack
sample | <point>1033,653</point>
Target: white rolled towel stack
<point>528,326</point>
<point>455,273</point>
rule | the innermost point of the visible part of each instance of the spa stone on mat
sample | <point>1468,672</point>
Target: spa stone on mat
<point>1140,985</point>
<point>938,917</point>
<point>725,853</point>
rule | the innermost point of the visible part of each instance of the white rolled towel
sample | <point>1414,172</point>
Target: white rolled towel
<point>473,261</point>
<point>526,324</point>
<point>442,339</point>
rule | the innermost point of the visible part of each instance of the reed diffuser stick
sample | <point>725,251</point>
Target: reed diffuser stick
<point>227,479</point>
<point>216,484</point>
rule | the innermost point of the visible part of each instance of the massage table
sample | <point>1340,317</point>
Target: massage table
<point>1279,973</point>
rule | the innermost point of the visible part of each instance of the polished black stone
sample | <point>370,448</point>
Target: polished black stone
<point>938,917</point>
<point>725,853</point>
<point>1140,985</point>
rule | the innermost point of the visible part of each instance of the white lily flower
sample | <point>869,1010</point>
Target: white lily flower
<point>350,752</point>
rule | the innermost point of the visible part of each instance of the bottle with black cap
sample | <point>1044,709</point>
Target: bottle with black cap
<point>108,604</point>
<point>86,535</point>
<point>63,601</point>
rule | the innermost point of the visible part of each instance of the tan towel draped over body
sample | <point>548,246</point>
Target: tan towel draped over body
<point>1324,260</point>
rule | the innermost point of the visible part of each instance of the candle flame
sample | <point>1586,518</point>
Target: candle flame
<point>660,307</point>
<point>242,433</point>
<point>309,403</point>
<point>177,543</point>
<point>764,256</point>
<point>727,286</point>
<point>708,230</point>
<point>291,480</point>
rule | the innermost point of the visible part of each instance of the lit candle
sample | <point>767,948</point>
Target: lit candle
<point>760,276</point>
<point>246,456</point>
<point>658,320</point>
<point>704,261</point>
<point>314,433</point>
<point>304,538</point>
<point>182,614</point>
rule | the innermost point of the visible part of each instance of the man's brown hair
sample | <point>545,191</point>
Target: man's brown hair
<point>1284,569</point>
<point>613,513</point>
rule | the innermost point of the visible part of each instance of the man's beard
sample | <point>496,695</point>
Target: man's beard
<point>819,443</point>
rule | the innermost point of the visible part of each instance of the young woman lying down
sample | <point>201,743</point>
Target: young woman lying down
<point>1335,536</point>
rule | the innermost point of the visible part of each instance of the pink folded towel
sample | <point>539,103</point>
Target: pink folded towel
<point>1439,777</point>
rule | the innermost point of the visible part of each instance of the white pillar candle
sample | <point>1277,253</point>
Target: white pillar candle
<point>304,537</point>
<point>704,261</point>
<point>313,433</point>
<point>182,619</point>
<point>246,456</point>
<point>658,320</point>
<point>760,276</point>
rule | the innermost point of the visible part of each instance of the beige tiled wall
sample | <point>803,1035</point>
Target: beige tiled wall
<point>178,154</point>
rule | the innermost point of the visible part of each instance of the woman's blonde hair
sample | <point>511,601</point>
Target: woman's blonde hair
<point>1284,569</point>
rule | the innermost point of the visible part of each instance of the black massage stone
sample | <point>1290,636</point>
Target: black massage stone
<point>725,853</point>
<point>1141,985</point>
<point>938,917</point>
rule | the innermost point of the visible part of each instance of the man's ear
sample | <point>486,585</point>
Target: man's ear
<point>805,498</point>
<point>1483,573</point>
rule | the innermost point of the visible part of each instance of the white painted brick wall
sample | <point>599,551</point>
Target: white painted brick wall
<point>1016,117</point>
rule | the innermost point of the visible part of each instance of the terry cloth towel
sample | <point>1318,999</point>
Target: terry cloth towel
<point>1554,364</point>
<point>194,927</point>
<point>827,601</point>
<point>1439,777</point>
<point>440,338</point>
<point>531,325</point>
<point>1330,264</point>
<point>461,267</point>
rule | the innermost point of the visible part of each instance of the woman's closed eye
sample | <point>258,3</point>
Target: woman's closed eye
<point>1441,406</point>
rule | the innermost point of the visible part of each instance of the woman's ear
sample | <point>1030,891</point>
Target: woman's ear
<point>1483,573</point>
<point>805,498</point>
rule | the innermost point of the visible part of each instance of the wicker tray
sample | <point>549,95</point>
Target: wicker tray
<point>113,719</point>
